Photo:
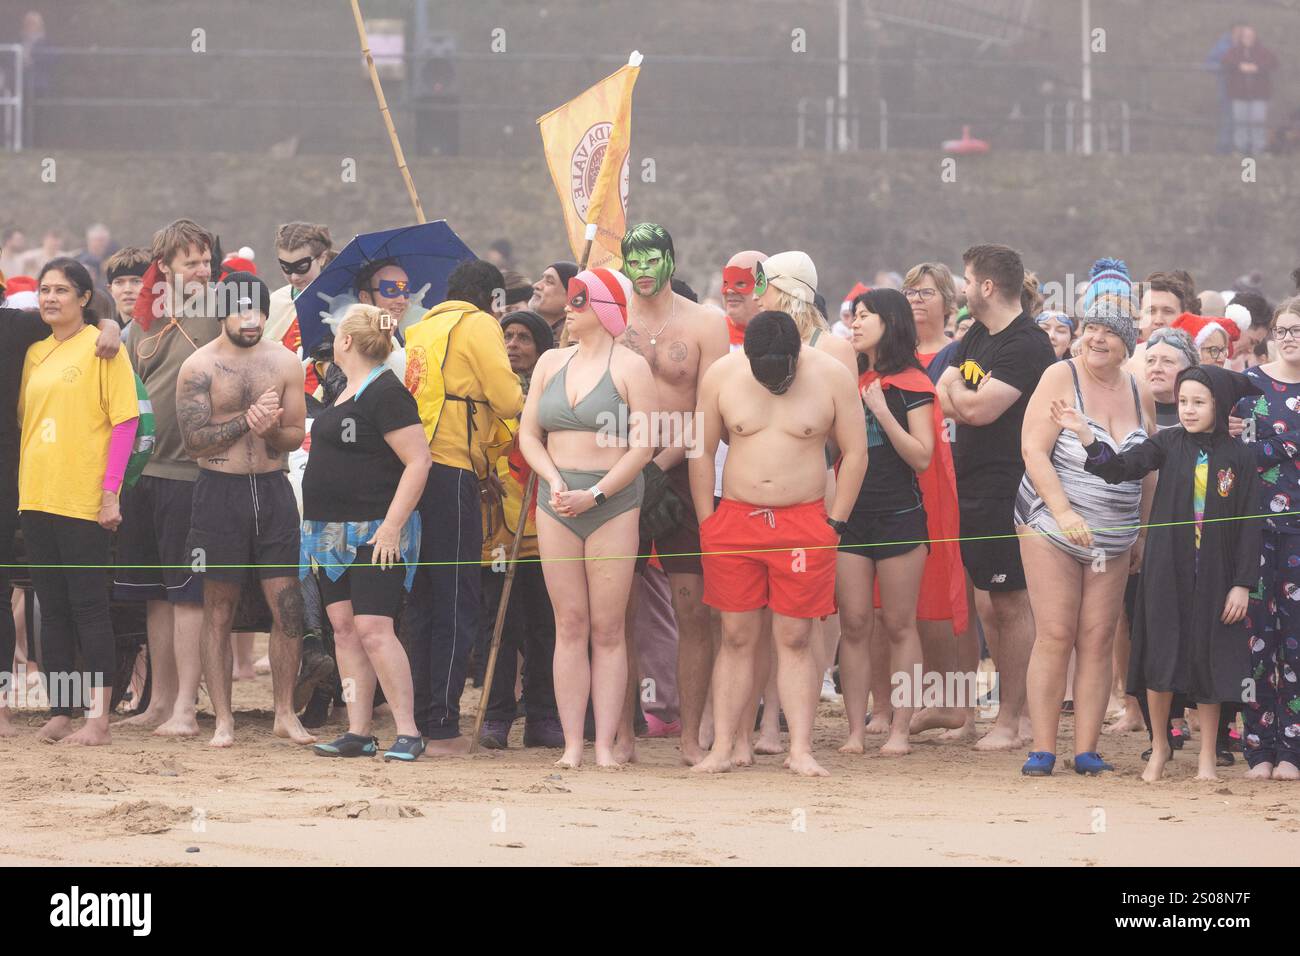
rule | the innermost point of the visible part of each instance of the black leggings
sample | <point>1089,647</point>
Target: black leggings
<point>8,526</point>
<point>74,605</point>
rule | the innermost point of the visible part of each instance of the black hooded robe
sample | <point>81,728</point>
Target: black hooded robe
<point>1180,643</point>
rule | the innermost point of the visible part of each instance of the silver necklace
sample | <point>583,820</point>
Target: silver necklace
<point>671,315</point>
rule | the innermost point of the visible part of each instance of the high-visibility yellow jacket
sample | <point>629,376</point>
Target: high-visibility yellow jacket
<point>457,369</point>
<point>501,519</point>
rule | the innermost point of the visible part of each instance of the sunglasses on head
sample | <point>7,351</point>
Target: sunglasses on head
<point>395,288</point>
<point>299,267</point>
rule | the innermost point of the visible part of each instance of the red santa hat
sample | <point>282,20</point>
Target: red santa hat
<point>847,305</point>
<point>236,263</point>
<point>1201,327</point>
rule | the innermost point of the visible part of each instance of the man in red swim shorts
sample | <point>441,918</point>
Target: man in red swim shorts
<point>770,542</point>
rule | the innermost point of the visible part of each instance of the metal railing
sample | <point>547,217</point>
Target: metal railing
<point>11,98</point>
<point>110,98</point>
<point>1062,121</point>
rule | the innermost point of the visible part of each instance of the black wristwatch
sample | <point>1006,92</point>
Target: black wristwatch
<point>598,495</point>
<point>839,526</point>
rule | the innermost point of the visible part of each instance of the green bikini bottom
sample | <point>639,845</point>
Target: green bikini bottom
<point>585,524</point>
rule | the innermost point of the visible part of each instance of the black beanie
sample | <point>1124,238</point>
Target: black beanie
<point>565,270</point>
<point>234,292</point>
<point>537,327</point>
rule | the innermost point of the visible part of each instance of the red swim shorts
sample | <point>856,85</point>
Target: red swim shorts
<point>786,559</point>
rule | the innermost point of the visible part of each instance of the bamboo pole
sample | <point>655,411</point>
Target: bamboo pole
<point>383,110</point>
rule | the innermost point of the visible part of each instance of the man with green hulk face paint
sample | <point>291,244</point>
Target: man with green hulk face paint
<point>648,258</point>
<point>680,340</point>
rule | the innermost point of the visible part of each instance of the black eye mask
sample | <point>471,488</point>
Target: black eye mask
<point>299,267</point>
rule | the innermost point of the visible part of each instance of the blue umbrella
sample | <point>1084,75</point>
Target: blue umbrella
<point>428,252</point>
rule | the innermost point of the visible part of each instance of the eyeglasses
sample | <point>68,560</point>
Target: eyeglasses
<point>1290,332</point>
<point>299,267</point>
<point>920,295</point>
<point>1215,352</point>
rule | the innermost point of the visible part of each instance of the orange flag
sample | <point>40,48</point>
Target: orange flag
<point>586,142</point>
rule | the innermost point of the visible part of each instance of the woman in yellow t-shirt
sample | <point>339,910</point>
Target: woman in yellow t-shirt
<point>79,415</point>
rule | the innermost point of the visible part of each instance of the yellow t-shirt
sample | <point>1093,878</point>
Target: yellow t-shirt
<point>69,402</point>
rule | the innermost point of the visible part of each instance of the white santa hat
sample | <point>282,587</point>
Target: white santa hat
<point>1239,315</point>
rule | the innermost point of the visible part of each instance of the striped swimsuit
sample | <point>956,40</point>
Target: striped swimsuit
<point>1112,512</point>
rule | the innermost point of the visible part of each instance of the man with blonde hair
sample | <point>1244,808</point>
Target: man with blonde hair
<point>153,560</point>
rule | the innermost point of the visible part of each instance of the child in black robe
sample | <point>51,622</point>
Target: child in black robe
<point>1191,632</point>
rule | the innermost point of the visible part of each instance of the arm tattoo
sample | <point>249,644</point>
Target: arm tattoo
<point>194,414</point>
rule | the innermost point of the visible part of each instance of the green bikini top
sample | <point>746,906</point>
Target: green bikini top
<point>590,414</point>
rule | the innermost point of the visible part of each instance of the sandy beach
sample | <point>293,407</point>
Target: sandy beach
<point>171,802</point>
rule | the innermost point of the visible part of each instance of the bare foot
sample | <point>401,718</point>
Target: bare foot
<point>1285,770</point>
<point>1206,768</point>
<point>1156,765</point>
<point>7,728</point>
<point>1026,730</point>
<point>54,730</point>
<point>691,755</point>
<point>607,758</point>
<point>224,736</point>
<point>961,734</point>
<point>572,758</point>
<point>288,726</point>
<point>1126,724</point>
<point>806,766</point>
<point>897,746</point>
<point>92,734</point>
<point>879,723</point>
<point>928,718</point>
<point>184,725</point>
<point>769,746</point>
<point>454,747</point>
<point>742,753</point>
<point>244,673</point>
<point>713,762</point>
<point>854,745</point>
<point>262,665</point>
<point>1261,771</point>
<point>149,719</point>
<point>999,738</point>
<point>625,750</point>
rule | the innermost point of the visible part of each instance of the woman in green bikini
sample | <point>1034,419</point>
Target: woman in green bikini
<point>575,434</point>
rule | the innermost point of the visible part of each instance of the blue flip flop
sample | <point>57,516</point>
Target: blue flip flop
<point>405,748</point>
<point>1039,764</point>
<point>1091,764</point>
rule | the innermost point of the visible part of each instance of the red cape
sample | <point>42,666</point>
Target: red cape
<point>943,583</point>
<point>143,313</point>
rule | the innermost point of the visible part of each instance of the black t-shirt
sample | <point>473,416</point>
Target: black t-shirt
<point>19,329</point>
<point>352,473</point>
<point>988,460</point>
<point>890,485</point>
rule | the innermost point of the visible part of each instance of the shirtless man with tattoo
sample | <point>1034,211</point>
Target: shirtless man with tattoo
<point>241,408</point>
<point>680,339</point>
